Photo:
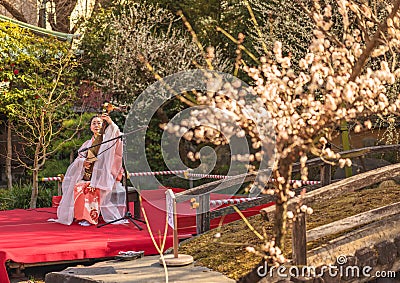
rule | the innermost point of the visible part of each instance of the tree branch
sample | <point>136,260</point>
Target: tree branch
<point>13,11</point>
<point>329,35</point>
<point>373,43</point>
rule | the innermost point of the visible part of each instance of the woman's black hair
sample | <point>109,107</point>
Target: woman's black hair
<point>91,119</point>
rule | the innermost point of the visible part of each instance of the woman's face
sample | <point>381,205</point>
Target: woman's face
<point>95,125</point>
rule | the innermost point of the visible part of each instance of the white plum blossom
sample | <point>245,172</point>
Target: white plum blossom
<point>334,83</point>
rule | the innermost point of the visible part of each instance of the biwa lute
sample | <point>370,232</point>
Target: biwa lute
<point>98,140</point>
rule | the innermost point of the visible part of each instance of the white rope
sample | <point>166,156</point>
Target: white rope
<point>46,179</point>
<point>272,180</point>
<point>219,202</point>
<point>208,176</point>
<point>186,175</point>
<point>157,173</point>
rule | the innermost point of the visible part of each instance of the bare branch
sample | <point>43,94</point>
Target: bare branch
<point>370,45</point>
<point>327,34</point>
<point>13,11</point>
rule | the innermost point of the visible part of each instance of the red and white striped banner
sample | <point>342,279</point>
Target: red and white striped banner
<point>302,182</point>
<point>208,176</point>
<point>186,174</point>
<point>271,180</point>
<point>231,201</point>
<point>157,173</point>
<point>45,179</point>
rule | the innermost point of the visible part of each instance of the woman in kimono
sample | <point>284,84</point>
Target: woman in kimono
<point>83,198</point>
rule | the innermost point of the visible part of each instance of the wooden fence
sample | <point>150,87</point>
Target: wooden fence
<point>202,192</point>
<point>300,235</point>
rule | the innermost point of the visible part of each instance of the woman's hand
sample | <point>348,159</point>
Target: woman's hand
<point>106,118</point>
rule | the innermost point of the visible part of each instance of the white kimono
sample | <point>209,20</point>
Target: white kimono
<point>105,171</point>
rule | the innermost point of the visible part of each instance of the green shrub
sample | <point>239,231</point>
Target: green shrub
<point>19,196</point>
<point>53,167</point>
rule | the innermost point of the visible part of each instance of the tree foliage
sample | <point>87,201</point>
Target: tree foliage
<point>126,44</point>
<point>38,91</point>
<point>283,21</point>
<point>57,14</point>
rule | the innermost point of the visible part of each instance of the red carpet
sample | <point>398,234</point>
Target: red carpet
<point>27,237</point>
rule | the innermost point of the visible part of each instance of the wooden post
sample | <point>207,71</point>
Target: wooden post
<point>326,174</point>
<point>203,214</point>
<point>299,240</point>
<point>187,176</point>
<point>172,218</point>
<point>344,129</point>
<point>362,161</point>
<point>175,243</point>
<point>59,184</point>
<point>59,189</point>
<point>133,196</point>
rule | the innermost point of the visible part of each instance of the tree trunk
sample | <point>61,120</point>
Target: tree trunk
<point>71,156</point>
<point>285,171</point>
<point>60,20</point>
<point>35,189</point>
<point>42,14</point>
<point>9,155</point>
<point>35,179</point>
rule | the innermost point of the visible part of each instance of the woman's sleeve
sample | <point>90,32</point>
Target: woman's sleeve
<point>116,164</point>
<point>109,163</point>
<point>65,211</point>
<point>75,170</point>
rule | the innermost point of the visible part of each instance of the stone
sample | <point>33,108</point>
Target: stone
<point>181,260</point>
<point>348,272</point>
<point>387,252</point>
<point>327,276</point>
<point>366,256</point>
<point>301,279</point>
<point>397,244</point>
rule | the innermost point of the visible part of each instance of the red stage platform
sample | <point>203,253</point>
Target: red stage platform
<point>27,237</point>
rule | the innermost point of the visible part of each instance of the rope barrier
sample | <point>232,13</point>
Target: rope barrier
<point>186,175</point>
<point>208,176</point>
<point>46,179</point>
<point>158,173</point>
<point>272,180</point>
<point>302,182</point>
<point>231,201</point>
